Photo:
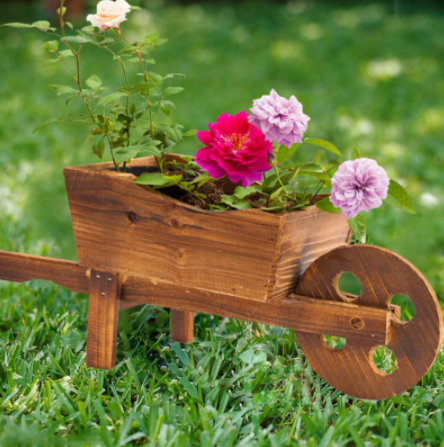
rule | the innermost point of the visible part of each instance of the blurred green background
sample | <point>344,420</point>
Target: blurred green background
<point>370,75</point>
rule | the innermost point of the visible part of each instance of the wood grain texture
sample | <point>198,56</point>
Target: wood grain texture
<point>297,312</point>
<point>415,344</point>
<point>20,267</point>
<point>119,225</point>
<point>103,313</point>
<point>182,326</point>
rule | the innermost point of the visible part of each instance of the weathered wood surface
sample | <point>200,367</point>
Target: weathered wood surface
<point>250,254</point>
<point>22,267</point>
<point>415,344</point>
<point>182,326</point>
<point>103,313</point>
<point>296,312</point>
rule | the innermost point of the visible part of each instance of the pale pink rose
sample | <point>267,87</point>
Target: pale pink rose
<point>109,14</point>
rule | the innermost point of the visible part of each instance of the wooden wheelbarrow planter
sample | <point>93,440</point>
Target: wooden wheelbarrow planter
<point>137,246</point>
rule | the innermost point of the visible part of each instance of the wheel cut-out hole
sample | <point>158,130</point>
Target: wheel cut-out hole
<point>334,342</point>
<point>384,360</point>
<point>349,286</point>
<point>406,310</point>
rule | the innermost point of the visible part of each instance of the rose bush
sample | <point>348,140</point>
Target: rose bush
<point>255,152</point>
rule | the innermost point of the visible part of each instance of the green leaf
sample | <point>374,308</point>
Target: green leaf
<point>152,179</point>
<point>327,206</point>
<point>76,39</point>
<point>242,193</point>
<point>398,197</point>
<point>357,225</point>
<point>316,171</point>
<point>46,123</point>
<point>274,209</point>
<point>285,152</point>
<point>182,355</point>
<point>114,97</point>
<point>99,149</point>
<point>43,24</point>
<point>355,154</point>
<point>228,200</point>
<point>241,205</point>
<point>277,193</point>
<point>269,181</point>
<point>190,133</point>
<point>65,53</point>
<point>18,25</point>
<point>94,82</point>
<point>128,49</point>
<point>125,154</point>
<point>50,62</point>
<point>165,109</point>
<point>106,41</point>
<point>169,91</point>
<point>52,46</point>
<point>157,78</point>
<point>174,178</point>
<point>63,11</point>
<point>135,8</point>
<point>324,144</point>
<point>64,90</point>
<point>149,150</point>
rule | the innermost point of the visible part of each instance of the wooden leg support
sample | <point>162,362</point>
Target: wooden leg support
<point>182,326</point>
<point>104,297</point>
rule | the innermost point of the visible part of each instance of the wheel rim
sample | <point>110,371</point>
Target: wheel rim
<point>383,274</point>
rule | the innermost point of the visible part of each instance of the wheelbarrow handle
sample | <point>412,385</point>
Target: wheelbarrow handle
<point>20,267</point>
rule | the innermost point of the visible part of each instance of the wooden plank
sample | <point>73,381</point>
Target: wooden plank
<point>305,237</point>
<point>20,267</point>
<point>415,344</point>
<point>102,320</point>
<point>299,313</point>
<point>182,326</point>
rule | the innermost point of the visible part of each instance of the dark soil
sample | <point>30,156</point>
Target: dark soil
<point>213,191</point>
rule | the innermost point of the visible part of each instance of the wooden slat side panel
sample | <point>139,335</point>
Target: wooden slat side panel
<point>307,235</point>
<point>121,226</point>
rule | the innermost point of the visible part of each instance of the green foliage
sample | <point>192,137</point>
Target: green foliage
<point>324,144</point>
<point>399,198</point>
<point>327,206</point>
<point>358,227</point>
<point>117,122</point>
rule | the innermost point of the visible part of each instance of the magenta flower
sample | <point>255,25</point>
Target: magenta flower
<point>279,118</point>
<point>359,185</point>
<point>235,148</point>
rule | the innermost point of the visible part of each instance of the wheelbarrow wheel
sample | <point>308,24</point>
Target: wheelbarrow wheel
<point>415,344</point>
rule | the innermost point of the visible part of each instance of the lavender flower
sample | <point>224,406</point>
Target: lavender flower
<point>279,118</point>
<point>359,185</point>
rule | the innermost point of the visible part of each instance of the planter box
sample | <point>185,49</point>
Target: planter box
<point>120,226</point>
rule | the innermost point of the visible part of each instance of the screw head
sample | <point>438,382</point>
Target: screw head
<point>357,323</point>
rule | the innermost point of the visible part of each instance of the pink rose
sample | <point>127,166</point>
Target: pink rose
<point>109,14</point>
<point>236,148</point>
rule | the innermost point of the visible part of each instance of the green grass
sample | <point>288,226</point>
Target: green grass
<point>369,79</point>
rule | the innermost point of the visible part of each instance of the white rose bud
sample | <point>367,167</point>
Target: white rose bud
<point>109,14</point>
